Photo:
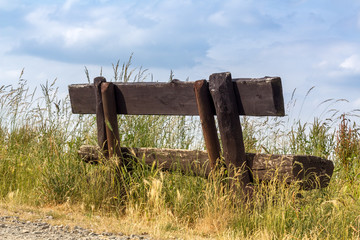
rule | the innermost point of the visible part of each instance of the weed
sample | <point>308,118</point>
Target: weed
<point>347,144</point>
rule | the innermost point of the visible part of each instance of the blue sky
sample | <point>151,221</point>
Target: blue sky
<point>305,42</point>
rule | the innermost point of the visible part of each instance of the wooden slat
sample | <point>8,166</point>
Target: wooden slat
<point>259,97</point>
<point>263,97</point>
<point>205,103</point>
<point>264,167</point>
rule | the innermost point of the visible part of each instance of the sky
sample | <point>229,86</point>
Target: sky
<point>305,42</point>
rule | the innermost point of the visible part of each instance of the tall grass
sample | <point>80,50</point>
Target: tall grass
<point>39,165</point>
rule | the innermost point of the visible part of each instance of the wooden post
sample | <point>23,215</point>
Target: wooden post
<point>222,91</point>
<point>206,112</point>
<point>110,115</point>
<point>100,120</point>
<point>112,132</point>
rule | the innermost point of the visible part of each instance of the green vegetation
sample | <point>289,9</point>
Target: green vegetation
<point>39,166</point>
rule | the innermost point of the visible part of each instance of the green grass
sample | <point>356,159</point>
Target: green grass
<point>39,166</point>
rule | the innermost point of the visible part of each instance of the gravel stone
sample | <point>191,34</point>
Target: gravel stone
<point>12,228</point>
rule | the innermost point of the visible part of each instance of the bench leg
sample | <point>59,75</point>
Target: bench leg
<point>206,112</point>
<point>110,115</point>
<point>223,95</point>
<point>100,119</point>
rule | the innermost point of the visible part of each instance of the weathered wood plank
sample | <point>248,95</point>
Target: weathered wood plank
<point>312,171</point>
<point>206,112</point>
<point>223,95</point>
<point>265,96</point>
<point>264,167</point>
<point>111,124</point>
<point>100,120</point>
<point>178,98</point>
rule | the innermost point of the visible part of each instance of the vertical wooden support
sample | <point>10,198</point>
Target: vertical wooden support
<point>110,115</point>
<point>100,120</point>
<point>206,112</point>
<point>112,132</point>
<point>222,92</point>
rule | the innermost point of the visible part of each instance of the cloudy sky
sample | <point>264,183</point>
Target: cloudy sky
<point>305,42</point>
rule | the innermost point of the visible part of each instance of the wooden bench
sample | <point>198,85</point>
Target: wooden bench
<point>222,96</point>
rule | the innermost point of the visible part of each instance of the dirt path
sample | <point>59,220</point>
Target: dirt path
<point>13,228</point>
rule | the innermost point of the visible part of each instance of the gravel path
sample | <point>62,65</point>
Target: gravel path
<point>13,229</point>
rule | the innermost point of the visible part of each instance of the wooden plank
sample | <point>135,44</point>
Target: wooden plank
<point>206,112</point>
<point>264,167</point>
<point>314,170</point>
<point>178,98</point>
<point>223,95</point>
<point>111,124</point>
<point>100,120</point>
<point>265,96</point>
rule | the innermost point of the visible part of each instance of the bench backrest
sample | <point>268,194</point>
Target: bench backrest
<point>254,96</point>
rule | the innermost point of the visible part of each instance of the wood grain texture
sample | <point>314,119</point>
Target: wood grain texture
<point>111,124</point>
<point>100,120</point>
<point>255,97</point>
<point>206,113</point>
<point>311,172</point>
<point>223,95</point>
<point>264,95</point>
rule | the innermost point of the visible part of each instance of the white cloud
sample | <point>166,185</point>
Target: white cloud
<point>68,4</point>
<point>42,27</point>
<point>322,64</point>
<point>156,31</point>
<point>351,63</point>
<point>219,19</point>
<point>8,5</point>
<point>94,29</point>
<point>356,103</point>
